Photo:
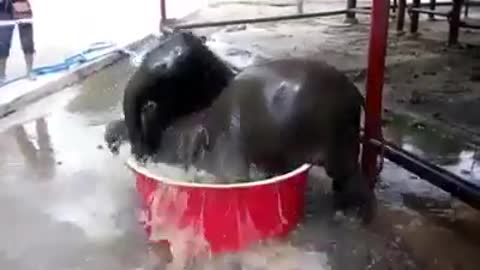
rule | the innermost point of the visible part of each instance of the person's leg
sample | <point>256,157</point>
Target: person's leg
<point>28,46</point>
<point>6,33</point>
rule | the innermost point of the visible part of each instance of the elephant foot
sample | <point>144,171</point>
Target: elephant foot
<point>355,198</point>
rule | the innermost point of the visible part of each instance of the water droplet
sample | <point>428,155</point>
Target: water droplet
<point>177,51</point>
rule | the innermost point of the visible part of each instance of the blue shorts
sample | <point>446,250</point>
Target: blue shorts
<point>6,34</point>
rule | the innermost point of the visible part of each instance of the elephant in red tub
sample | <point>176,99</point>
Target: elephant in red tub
<point>278,114</point>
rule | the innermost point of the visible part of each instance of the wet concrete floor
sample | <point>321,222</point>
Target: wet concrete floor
<point>435,145</point>
<point>66,203</point>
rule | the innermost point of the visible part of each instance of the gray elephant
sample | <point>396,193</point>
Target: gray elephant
<point>278,114</point>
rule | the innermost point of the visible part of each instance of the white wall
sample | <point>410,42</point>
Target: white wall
<point>63,27</point>
<point>182,8</point>
<point>83,21</point>
<point>74,21</point>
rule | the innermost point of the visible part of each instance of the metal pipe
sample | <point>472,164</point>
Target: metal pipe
<point>259,20</point>
<point>438,4</point>
<point>163,11</point>
<point>394,6</point>
<point>430,12</point>
<point>432,5</point>
<point>454,22</point>
<point>360,11</point>
<point>364,11</point>
<point>472,4</point>
<point>467,7</point>
<point>374,84</point>
<point>445,180</point>
<point>414,16</point>
<point>402,4</point>
<point>350,5</point>
<point>471,26</point>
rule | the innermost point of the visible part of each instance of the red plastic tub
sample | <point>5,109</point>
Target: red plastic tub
<point>224,217</point>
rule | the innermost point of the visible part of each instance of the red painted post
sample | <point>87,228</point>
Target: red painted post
<point>374,85</point>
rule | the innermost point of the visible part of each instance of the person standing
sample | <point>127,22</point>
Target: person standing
<point>14,10</point>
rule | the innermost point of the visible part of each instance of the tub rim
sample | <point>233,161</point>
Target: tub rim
<point>137,168</point>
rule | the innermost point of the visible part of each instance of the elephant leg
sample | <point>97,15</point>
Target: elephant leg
<point>342,160</point>
<point>196,147</point>
<point>350,186</point>
<point>231,162</point>
<point>152,130</point>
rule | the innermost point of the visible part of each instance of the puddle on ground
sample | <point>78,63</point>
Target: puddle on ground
<point>435,145</point>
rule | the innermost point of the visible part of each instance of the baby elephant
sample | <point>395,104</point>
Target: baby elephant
<point>280,113</point>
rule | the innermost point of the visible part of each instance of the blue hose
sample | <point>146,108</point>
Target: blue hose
<point>69,62</point>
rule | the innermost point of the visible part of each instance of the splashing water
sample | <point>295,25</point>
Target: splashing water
<point>177,173</point>
<point>187,145</point>
<point>275,256</point>
<point>195,175</point>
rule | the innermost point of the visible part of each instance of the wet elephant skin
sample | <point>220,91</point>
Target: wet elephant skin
<point>292,111</point>
<point>281,113</point>
<point>181,76</point>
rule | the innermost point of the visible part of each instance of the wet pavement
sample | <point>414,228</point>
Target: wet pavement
<point>66,203</point>
<point>59,214</point>
<point>434,144</point>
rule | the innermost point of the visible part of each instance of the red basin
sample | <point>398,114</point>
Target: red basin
<point>223,217</point>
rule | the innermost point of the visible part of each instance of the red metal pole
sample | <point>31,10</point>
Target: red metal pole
<point>374,85</point>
